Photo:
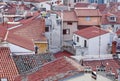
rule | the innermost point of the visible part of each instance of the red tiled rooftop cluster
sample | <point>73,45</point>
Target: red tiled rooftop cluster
<point>7,66</point>
<point>61,65</point>
<point>108,63</point>
<point>31,30</point>
<point>34,0</point>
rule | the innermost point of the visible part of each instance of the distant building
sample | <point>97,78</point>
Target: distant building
<point>88,17</point>
<point>97,1</point>
<point>53,31</point>
<point>70,24</point>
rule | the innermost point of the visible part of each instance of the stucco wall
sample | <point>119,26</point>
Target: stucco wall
<point>72,28</point>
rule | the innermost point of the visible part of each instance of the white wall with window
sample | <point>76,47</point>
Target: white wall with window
<point>80,41</point>
<point>95,45</point>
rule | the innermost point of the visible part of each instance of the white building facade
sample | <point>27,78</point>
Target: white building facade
<point>93,45</point>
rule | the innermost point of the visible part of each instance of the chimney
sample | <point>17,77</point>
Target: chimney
<point>114,47</point>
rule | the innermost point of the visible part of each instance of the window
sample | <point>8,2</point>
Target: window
<point>112,19</point>
<point>96,1</point>
<point>85,43</point>
<point>66,31</point>
<point>77,39</point>
<point>69,23</point>
<point>87,18</point>
<point>74,1</point>
<point>46,29</point>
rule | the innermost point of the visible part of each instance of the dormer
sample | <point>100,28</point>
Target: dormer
<point>112,18</point>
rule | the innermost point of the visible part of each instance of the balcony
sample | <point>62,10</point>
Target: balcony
<point>76,50</point>
<point>81,50</point>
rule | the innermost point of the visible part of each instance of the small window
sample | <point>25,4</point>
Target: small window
<point>46,29</point>
<point>85,43</point>
<point>87,18</point>
<point>66,31</point>
<point>77,39</point>
<point>74,1</point>
<point>69,23</point>
<point>112,18</point>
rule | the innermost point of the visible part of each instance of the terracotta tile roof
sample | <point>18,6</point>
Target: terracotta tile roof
<point>12,8</point>
<point>62,66</point>
<point>82,4</point>
<point>109,63</point>
<point>3,31</point>
<point>69,16</point>
<point>90,32</point>
<point>33,0</point>
<point>28,63</point>
<point>7,66</point>
<point>62,54</point>
<point>27,33</point>
<point>101,7</point>
<point>105,18</point>
<point>87,12</point>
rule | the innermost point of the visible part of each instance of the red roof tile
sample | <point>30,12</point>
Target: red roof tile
<point>109,63</point>
<point>101,7</point>
<point>3,31</point>
<point>87,12</point>
<point>61,65</point>
<point>27,33</point>
<point>82,4</point>
<point>34,0</point>
<point>62,54</point>
<point>69,16</point>
<point>106,21</point>
<point>7,66</point>
<point>90,32</point>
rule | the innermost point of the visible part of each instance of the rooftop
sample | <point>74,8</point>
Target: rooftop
<point>33,0</point>
<point>29,63</point>
<point>86,77</point>
<point>69,16</point>
<point>27,33</point>
<point>55,70</point>
<point>110,65</point>
<point>7,66</point>
<point>88,12</point>
<point>62,54</point>
<point>90,32</point>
